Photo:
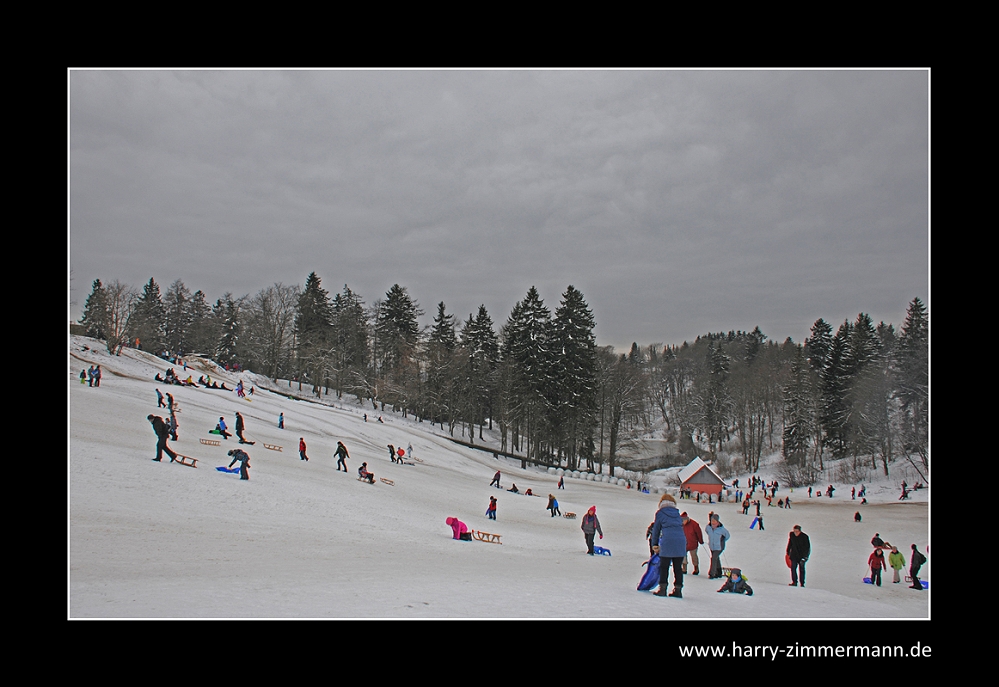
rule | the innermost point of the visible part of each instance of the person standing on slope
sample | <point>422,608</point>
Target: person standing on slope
<point>496,480</point>
<point>694,536</point>
<point>591,526</point>
<point>670,543</point>
<point>301,449</point>
<point>162,434</point>
<point>799,548</point>
<point>341,456</point>
<point>717,536</point>
<point>491,510</point>
<point>897,561</point>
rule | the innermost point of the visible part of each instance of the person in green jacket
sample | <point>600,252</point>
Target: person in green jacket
<point>897,561</point>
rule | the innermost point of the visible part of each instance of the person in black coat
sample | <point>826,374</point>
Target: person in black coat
<point>915,563</point>
<point>162,434</point>
<point>799,548</point>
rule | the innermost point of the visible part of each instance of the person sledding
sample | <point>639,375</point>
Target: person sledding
<point>363,473</point>
<point>221,428</point>
<point>736,584</point>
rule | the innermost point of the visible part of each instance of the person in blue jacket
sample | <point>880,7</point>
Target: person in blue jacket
<point>671,545</point>
<point>717,536</point>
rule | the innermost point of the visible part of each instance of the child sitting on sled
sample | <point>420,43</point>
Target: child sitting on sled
<point>736,584</point>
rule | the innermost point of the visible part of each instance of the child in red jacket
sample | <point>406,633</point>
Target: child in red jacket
<point>877,563</point>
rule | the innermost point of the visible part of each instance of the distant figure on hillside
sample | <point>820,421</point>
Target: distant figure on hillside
<point>162,433</point>
<point>83,377</point>
<point>491,510</point>
<point>561,482</point>
<point>400,454</point>
<point>391,449</point>
<point>222,429</point>
<point>829,491</point>
<point>341,455</point>
<point>159,399</point>
<point>301,449</point>
<point>281,421</point>
<point>856,516</point>
<point>514,488</point>
<point>496,480</point>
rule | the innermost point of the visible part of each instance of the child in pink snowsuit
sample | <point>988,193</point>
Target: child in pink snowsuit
<point>458,528</point>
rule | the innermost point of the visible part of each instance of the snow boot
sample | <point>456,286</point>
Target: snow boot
<point>676,594</point>
<point>661,591</point>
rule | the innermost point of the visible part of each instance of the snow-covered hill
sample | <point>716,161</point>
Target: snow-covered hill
<point>302,540</point>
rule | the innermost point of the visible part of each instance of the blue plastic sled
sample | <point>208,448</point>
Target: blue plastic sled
<point>755,520</point>
<point>601,551</point>
<point>650,580</point>
<point>229,470</point>
<point>926,585</point>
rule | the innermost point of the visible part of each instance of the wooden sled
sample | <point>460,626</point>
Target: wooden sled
<point>211,442</point>
<point>569,515</point>
<point>187,460</point>
<point>361,479</point>
<point>272,447</point>
<point>387,481</point>
<point>417,460</point>
<point>486,537</point>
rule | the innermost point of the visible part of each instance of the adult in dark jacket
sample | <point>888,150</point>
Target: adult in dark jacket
<point>162,434</point>
<point>670,544</point>
<point>692,531</point>
<point>341,455</point>
<point>799,548</point>
<point>239,429</point>
<point>915,563</point>
<point>590,526</point>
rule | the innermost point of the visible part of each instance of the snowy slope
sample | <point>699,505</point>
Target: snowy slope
<point>301,540</point>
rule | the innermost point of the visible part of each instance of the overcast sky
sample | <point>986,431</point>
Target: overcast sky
<point>678,202</point>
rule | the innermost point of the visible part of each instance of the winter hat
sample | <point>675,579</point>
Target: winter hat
<point>449,521</point>
<point>684,514</point>
<point>667,497</point>
<point>593,509</point>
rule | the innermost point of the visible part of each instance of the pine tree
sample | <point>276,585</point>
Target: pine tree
<point>95,312</point>
<point>149,318</point>
<point>527,370</point>
<point>205,329</point>
<point>573,396</point>
<point>397,335</point>
<point>177,317</point>
<point>226,310</point>
<point>350,343</point>
<point>799,412</point>
<point>913,380</point>
<point>313,325</point>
